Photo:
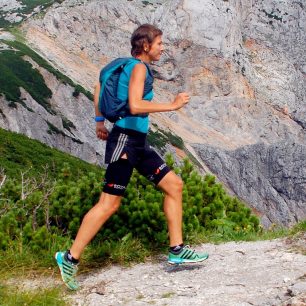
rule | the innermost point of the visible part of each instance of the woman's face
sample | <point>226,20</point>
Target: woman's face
<point>156,50</point>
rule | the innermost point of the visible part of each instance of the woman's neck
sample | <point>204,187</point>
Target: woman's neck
<point>144,57</point>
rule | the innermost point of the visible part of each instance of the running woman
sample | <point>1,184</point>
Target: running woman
<point>126,149</point>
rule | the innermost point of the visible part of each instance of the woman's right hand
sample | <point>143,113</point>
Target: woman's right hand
<point>180,100</point>
<point>101,131</point>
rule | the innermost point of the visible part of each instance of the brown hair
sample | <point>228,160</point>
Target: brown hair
<point>145,33</point>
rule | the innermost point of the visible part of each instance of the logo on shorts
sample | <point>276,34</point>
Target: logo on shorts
<point>160,168</point>
<point>116,186</point>
<point>157,172</point>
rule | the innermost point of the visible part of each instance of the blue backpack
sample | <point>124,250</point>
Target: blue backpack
<point>110,105</point>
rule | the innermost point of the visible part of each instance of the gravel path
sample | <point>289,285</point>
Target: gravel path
<point>249,273</point>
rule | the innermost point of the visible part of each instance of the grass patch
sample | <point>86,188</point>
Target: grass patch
<point>16,156</point>
<point>157,139</point>
<point>221,236</point>
<point>123,252</point>
<point>14,30</point>
<point>67,124</point>
<point>52,129</point>
<point>30,5</point>
<point>167,295</point>
<point>217,237</point>
<point>296,238</point>
<point>20,261</point>
<point>9,296</point>
<point>4,23</point>
<point>298,228</point>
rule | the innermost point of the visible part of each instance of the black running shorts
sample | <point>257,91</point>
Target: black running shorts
<point>139,156</point>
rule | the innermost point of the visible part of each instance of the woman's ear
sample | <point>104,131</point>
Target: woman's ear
<point>146,47</point>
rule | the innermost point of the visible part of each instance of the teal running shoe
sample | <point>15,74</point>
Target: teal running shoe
<point>186,255</point>
<point>68,271</point>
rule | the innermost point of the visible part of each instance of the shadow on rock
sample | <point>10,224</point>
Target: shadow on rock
<point>183,267</point>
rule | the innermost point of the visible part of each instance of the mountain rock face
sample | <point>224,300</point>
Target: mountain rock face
<point>244,64</point>
<point>69,127</point>
<point>271,177</point>
<point>14,11</point>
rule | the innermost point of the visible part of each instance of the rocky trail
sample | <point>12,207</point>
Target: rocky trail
<point>261,273</point>
<point>247,273</point>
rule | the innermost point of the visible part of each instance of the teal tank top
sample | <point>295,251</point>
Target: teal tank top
<point>137,123</point>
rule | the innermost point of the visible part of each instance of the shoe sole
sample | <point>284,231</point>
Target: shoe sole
<point>186,261</point>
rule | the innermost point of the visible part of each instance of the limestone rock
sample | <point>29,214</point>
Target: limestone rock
<point>268,177</point>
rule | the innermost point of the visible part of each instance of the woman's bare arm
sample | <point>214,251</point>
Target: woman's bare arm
<point>101,130</point>
<point>138,105</point>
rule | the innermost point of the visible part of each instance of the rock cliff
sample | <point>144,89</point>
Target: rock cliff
<point>242,61</point>
<point>67,124</point>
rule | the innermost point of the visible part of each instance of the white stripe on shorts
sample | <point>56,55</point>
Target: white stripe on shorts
<point>119,147</point>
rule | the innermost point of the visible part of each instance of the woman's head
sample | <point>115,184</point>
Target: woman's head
<point>143,38</point>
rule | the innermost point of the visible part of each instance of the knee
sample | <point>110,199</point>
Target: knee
<point>104,208</point>
<point>179,184</point>
<point>109,208</point>
<point>115,207</point>
<point>176,186</point>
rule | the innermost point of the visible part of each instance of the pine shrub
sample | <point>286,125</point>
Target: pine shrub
<point>40,217</point>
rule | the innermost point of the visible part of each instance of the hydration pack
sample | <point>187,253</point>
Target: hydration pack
<point>110,105</point>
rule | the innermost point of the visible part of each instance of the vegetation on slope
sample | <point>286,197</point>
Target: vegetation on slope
<point>16,72</point>
<point>41,209</point>
<point>27,8</point>
<point>20,154</point>
<point>45,193</point>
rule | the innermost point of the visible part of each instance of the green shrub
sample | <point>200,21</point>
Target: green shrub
<point>43,211</point>
<point>59,206</point>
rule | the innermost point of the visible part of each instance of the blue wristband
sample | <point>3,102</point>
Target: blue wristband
<point>99,119</point>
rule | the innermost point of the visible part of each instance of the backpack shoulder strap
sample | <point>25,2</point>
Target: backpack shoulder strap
<point>149,77</point>
<point>107,70</point>
<point>146,64</point>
